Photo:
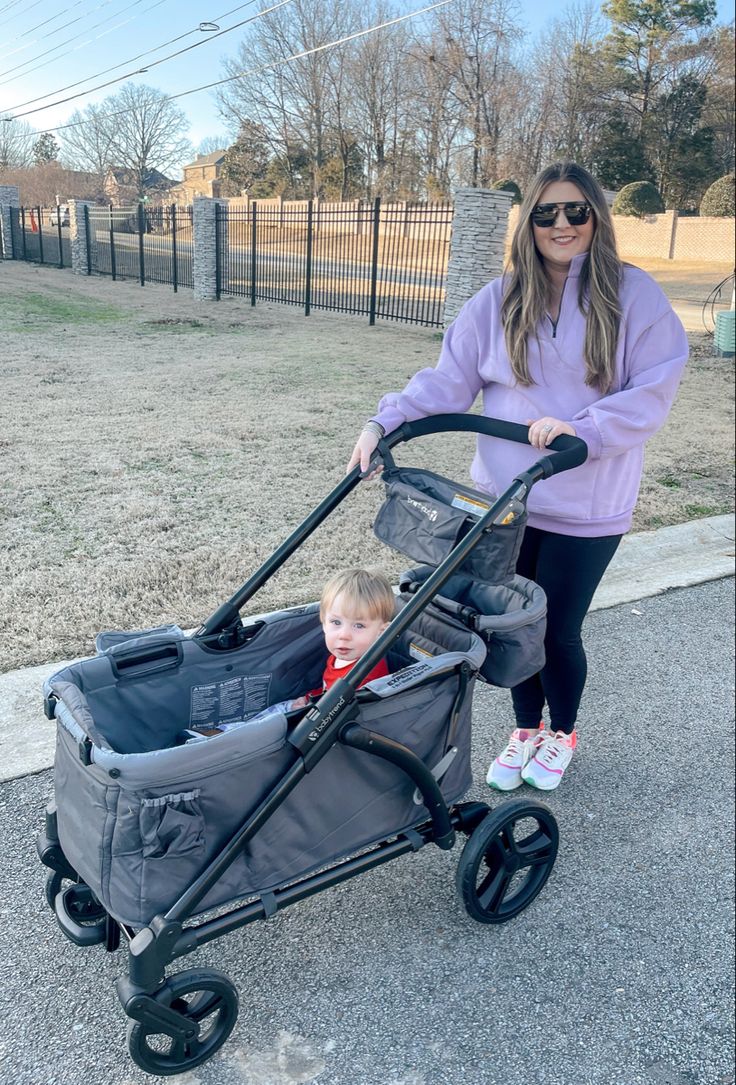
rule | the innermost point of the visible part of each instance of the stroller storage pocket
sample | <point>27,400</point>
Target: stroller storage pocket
<point>425,516</point>
<point>171,825</point>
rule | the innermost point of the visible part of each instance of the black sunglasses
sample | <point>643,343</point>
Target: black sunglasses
<point>577,213</point>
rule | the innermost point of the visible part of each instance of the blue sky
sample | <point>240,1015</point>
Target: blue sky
<point>46,45</point>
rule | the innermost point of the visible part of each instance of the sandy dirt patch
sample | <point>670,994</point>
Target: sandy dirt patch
<point>155,449</point>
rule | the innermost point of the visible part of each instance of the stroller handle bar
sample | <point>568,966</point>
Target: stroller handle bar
<point>568,452</point>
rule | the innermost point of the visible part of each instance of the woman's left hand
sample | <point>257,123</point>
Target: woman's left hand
<point>543,431</point>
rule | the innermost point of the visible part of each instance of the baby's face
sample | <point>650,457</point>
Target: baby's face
<point>349,635</point>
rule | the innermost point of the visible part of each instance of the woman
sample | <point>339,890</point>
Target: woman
<point>569,340</point>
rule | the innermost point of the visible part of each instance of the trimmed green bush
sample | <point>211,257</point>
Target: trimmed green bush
<point>640,198</point>
<point>719,198</point>
<point>509,186</point>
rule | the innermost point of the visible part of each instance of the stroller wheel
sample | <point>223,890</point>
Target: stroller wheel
<point>207,1001</point>
<point>85,907</point>
<point>507,860</point>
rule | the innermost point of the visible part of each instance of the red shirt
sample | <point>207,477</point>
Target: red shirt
<point>332,673</point>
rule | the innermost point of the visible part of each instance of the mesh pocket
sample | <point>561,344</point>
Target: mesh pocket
<point>425,516</point>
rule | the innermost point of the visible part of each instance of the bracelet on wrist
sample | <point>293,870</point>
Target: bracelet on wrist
<point>375,428</point>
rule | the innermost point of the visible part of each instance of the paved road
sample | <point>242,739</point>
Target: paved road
<point>619,974</point>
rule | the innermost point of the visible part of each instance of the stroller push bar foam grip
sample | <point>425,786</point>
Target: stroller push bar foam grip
<point>568,451</point>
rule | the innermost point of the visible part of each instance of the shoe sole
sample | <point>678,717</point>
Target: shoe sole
<point>541,787</point>
<point>497,787</point>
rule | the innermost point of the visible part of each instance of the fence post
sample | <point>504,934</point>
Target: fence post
<point>204,257</point>
<point>9,201</point>
<point>84,253</point>
<point>253,239</point>
<point>374,261</point>
<point>40,235</point>
<point>479,228</point>
<point>141,230</point>
<point>174,265</point>
<point>308,283</point>
<point>673,236</point>
<point>113,262</point>
<point>218,251</point>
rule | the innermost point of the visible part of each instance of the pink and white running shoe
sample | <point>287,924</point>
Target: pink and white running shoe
<point>551,757</point>
<point>505,772</point>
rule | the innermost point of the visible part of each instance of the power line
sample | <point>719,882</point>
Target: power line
<point>68,40</point>
<point>51,19</point>
<point>138,56</point>
<point>153,64</point>
<point>271,64</point>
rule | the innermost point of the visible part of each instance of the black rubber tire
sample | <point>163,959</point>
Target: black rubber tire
<point>211,993</point>
<point>505,864</point>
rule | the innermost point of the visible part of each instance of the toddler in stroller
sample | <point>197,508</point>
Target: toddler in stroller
<point>145,836</point>
<point>355,608</point>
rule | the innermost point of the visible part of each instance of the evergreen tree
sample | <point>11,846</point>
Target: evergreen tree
<point>45,149</point>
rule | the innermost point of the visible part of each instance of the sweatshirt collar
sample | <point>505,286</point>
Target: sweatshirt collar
<point>576,265</point>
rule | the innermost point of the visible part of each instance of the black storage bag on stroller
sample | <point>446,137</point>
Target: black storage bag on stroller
<point>139,817</point>
<point>425,515</point>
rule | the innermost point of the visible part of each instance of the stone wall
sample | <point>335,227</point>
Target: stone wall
<point>479,230</point>
<point>9,199</point>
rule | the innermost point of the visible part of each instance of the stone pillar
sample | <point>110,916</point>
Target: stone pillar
<point>9,203</point>
<point>479,226</point>
<point>205,256</point>
<point>82,252</point>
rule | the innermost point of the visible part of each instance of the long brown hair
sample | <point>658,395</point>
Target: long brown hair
<point>526,285</point>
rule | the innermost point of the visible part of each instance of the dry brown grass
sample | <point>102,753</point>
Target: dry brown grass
<point>155,449</point>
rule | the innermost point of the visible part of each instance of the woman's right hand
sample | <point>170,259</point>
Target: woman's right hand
<point>366,445</point>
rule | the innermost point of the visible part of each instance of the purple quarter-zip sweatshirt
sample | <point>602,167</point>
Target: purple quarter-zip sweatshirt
<point>598,497</point>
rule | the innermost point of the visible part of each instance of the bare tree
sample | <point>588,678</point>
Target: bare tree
<point>16,143</point>
<point>294,101</point>
<point>479,36</point>
<point>148,132</point>
<point>571,84</point>
<point>87,143</point>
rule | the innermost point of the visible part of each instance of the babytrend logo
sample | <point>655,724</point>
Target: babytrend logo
<point>428,511</point>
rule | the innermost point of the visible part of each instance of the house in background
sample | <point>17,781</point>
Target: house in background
<point>201,178</point>
<point>121,186</point>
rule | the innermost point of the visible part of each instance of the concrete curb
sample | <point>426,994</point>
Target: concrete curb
<point>646,564</point>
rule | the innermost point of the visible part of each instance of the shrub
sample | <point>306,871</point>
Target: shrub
<point>719,198</point>
<point>509,186</point>
<point>640,198</point>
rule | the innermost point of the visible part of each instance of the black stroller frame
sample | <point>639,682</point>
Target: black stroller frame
<point>194,1011</point>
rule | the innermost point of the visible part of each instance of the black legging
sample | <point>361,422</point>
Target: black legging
<point>569,569</point>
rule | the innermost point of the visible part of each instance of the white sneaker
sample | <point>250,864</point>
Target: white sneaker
<point>551,757</point>
<point>505,772</point>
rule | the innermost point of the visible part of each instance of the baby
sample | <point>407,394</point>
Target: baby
<point>355,608</point>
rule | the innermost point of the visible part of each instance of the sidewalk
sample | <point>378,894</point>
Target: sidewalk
<point>646,564</point>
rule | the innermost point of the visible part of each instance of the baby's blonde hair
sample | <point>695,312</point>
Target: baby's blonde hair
<point>365,594</point>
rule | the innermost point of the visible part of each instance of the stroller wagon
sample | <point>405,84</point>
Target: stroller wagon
<point>168,839</point>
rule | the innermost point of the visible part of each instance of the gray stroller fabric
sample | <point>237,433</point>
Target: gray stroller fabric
<point>511,618</point>
<point>425,515</point>
<point>144,804</point>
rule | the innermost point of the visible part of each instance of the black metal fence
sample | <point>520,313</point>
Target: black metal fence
<point>150,244</point>
<point>384,261</point>
<point>41,235</point>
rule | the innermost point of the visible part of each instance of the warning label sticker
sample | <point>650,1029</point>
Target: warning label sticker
<point>227,701</point>
<point>469,504</point>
